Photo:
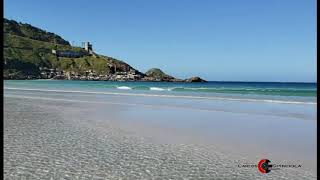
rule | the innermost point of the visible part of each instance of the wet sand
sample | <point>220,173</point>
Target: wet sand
<point>56,135</point>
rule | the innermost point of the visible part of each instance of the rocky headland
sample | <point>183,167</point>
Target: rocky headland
<point>33,53</point>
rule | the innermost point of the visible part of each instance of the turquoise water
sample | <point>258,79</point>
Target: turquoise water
<point>278,92</point>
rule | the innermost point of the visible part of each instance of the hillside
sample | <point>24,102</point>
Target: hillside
<point>26,30</point>
<point>27,48</point>
<point>33,53</point>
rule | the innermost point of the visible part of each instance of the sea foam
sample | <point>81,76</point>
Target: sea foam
<point>156,89</point>
<point>124,87</point>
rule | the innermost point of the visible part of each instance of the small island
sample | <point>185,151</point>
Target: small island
<point>33,53</point>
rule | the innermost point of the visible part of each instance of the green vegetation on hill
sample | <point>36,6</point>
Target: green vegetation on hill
<point>157,73</point>
<point>26,30</point>
<point>27,48</point>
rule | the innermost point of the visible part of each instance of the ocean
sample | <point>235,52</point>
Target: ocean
<point>275,92</point>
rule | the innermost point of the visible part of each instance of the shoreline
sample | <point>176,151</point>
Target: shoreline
<point>168,96</point>
<point>215,81</point>
<point>175,81</point>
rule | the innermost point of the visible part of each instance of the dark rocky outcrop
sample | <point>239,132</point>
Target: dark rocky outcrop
<point>156,74</point>
<point>195,79</point>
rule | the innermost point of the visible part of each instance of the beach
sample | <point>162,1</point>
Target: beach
<point>85,134</point>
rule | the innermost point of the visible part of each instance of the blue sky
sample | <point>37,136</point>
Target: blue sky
<point>222,40</point>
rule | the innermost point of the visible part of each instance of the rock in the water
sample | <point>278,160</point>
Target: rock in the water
<point>195,79</point>
<point>156,74</point>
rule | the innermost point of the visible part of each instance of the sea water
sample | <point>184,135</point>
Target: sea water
<point>246,91</point>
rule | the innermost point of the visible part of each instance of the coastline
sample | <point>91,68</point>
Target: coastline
<point>169,96</point>
<point>106,79</point>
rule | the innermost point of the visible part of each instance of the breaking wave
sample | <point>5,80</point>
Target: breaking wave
<point>157,89</point>
<point>124,87</point>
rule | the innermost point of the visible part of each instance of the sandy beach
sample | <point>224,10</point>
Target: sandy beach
<point>98,136</point>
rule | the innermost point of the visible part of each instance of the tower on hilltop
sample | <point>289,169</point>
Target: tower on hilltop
<point>88,47</point>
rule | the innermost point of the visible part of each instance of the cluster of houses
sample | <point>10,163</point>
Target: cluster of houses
<point>131,75</point>
<point>47,73</point>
